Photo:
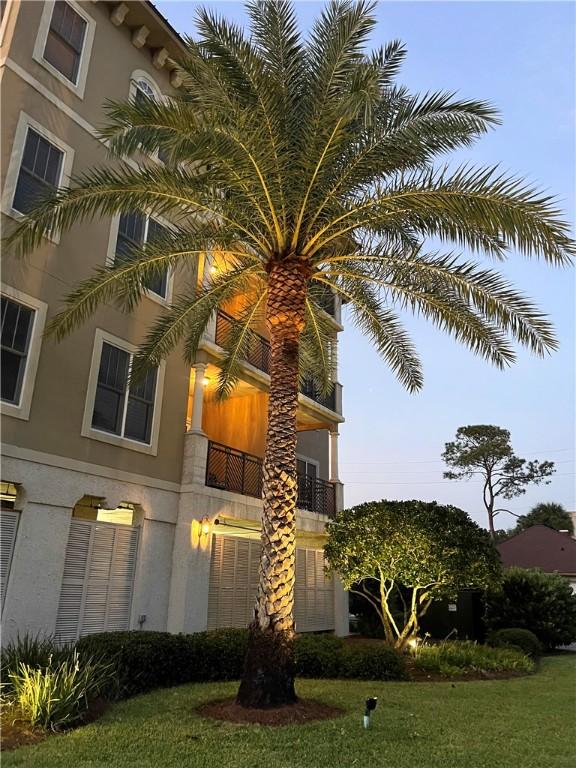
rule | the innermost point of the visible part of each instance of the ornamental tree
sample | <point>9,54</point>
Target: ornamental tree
<point>485,451</point>
<point>428,550</point>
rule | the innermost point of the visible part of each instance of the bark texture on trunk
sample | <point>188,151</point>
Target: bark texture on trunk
<point>268,678</point>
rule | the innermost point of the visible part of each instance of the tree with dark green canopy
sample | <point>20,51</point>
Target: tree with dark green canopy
<point>308,168</point>
<point>427,551</point>
<point>547,513</point>
<point>485,451</point>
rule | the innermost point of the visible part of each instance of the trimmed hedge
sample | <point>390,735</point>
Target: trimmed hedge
<point>147,660</point>
<point>516,637</point>
<point>329,656</point>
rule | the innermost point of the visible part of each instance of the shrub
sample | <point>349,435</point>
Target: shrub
<point>523,639</point>
<point>318,655</point>
<point>34,651</point>
<point>144,661</point>
<point>540,602</point>
<point>456,658</point>
<point>372,662</point>
<point>148,660</point>
<point>57,695</point>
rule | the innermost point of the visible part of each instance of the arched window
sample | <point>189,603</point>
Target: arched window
<point>141,87</point>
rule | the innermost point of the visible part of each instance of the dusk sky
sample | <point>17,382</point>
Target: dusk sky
<point>519,56</point>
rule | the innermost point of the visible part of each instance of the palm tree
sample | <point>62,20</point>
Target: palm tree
<point>307,168</point>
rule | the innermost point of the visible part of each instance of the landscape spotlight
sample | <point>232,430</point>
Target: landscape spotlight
<point>370,707</point>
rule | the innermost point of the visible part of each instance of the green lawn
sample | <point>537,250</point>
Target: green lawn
<point>524,722</point>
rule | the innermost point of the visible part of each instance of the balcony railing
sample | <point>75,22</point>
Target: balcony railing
<point>258,355</point>
<point>232,470</point>
<point>309,389</point>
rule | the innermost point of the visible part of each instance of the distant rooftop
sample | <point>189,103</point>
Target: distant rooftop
<point>540,547</point>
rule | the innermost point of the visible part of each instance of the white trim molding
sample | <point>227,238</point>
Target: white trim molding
<point>93,433</point>
<point>40,45</point>
<point>12,7</point>
<point>25,122</point>
<point>21,410</point>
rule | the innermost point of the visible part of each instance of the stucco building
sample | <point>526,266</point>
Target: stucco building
<point>126,507</point>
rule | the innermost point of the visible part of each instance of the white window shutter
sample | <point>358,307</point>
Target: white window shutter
<point>234,568</point>
<point>314,593</point>
<point>8,527</point>
<point>98,579</point>
<point>73,580</point>
<point>233,581</point>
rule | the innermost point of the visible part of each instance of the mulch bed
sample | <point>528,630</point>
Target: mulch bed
<point>16,733</point>
<point>304,711</point>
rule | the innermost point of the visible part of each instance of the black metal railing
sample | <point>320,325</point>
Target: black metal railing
<point>239,472</point>
<point>258,355</point>
<point>258,352</point>
<point>309,389</point>
<point>326,299</point>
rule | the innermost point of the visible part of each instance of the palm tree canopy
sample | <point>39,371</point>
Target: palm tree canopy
<point>281,148</point>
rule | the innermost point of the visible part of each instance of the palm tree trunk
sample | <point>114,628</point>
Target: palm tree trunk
<point>269,671</point>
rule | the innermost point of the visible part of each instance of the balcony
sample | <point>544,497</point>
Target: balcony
<point>258,355</point>
<point>232,470</point>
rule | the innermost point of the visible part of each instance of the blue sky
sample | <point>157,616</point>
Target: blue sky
<point>519,56</point>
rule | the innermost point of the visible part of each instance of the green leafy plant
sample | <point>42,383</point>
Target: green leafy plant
<point>58,695</point>
<point>455,658</point>
<point>34,651</point>
<point>411,551</point>
<point>523,639</point>
<point>531,599</point>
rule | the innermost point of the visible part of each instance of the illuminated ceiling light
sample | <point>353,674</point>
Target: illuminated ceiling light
<point>205,526</point>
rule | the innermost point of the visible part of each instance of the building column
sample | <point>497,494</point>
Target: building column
<point>334,456</point>
<point>188,604</point>
<point>198,397</point>
<point>195,440</point>
<point>341,607</point>
<point>334,476</point>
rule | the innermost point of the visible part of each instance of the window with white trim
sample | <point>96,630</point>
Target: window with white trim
<point>120,409</point>
<point>141,90</point>
<point>134,231</point>
<point>17,324</point>
<point>65,40</point>
<point>40,171</point>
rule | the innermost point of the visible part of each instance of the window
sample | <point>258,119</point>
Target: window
<point>140,90</point>
<point>17,322</point>
<point>40,171</point>
<point>65,40</point>
<point>119,409</point>
<point>134,231</point>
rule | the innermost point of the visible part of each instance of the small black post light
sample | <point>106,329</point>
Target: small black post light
<point>370,707</point>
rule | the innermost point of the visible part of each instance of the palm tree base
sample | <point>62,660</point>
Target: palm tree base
<point>269,670</point>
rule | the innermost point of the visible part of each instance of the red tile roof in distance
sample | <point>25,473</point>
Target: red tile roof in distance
<point>540,547</point>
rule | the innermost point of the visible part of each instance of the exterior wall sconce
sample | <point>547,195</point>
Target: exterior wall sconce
<point>205,526</point>
<point>205,381</point>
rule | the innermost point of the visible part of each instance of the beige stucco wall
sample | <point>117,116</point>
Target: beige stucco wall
<point>51,272</point>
